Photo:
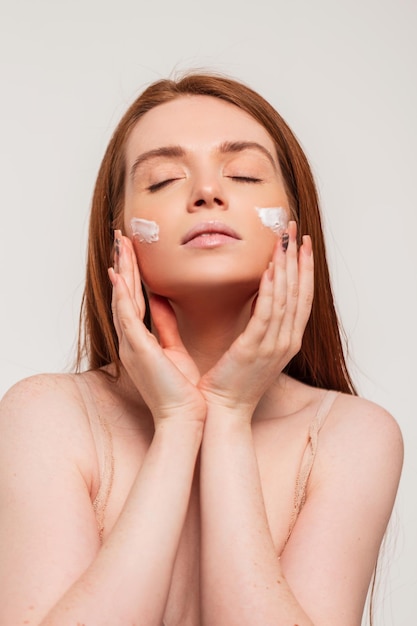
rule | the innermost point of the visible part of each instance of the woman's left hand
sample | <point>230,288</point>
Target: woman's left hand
<point>274,332</point>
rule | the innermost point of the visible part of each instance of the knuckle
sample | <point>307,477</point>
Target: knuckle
<point>124,353</point>
<point>296,342</point>
<point>296,347</point>
<point>125,324</point>
<point>308,298</point>
<point>285,345</point>
<point>266,350</point>
<point>279,312</point>
<point>127,319</point>
<point>293,289</point>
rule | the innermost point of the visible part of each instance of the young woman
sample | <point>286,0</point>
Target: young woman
<point>213,466</point>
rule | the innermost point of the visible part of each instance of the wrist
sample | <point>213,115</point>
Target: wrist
<point>238,414</point>
<point>223,422</point>
<point>177,428</point>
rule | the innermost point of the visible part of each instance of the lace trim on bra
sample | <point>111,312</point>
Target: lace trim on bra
<point>107,458</point>
<point>104,445</point>
<point>101,500</point>
<point>309,455</point>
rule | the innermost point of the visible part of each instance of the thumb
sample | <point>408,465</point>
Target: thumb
<point>165,322</point>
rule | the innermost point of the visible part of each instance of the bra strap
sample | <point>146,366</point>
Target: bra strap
<point>104,444</point>
<point>310,454</point>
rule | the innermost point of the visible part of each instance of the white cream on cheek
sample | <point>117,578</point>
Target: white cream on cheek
<point>274,218</point>
<point>145,230</point>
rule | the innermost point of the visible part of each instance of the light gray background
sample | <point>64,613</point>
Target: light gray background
<point>341,73</point>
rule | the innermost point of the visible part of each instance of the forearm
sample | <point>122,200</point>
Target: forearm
<point>242,580</point>
<point>134,566</point>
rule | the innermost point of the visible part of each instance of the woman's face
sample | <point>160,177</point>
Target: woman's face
<point>199,167</point>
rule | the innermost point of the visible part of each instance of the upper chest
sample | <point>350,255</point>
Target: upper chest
<point>282,449</point>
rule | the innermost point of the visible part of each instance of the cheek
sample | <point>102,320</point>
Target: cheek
<point>153,262</point>
<point>268,223</point>
<point>274,219</point>
<point>262,239</point>
<point>261,252</point>
<point>144,231</point>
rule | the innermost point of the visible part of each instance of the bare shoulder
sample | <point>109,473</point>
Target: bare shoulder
<point>43,413</point>
<point>39,395</point>
<point>361,438</point>
<point>364,423</point>
<point>39,386</point>
<point>350,496</point>
<point>48,479</point>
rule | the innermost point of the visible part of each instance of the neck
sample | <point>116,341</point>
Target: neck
<point>209,325</point>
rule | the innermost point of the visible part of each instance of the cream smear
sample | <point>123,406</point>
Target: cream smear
<point>145,230</point>
<point>274,218</point>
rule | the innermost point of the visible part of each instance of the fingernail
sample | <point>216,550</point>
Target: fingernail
<point>112,276</point>
<point>117,249</point>
<point>284,241</point>
<point>307,245</point>
<point>270,270</point>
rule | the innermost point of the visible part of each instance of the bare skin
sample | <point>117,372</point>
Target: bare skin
<point>208,436</point>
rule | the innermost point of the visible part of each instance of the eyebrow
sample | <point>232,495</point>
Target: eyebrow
<point>164,151</point>
<point>226,147</point>
<point>239,146</point>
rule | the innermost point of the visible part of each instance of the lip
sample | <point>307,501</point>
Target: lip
<point>213,227</point>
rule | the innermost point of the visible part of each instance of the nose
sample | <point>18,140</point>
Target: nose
<point>207,193</point>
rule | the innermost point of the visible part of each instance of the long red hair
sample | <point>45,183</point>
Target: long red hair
<point>321,360</point>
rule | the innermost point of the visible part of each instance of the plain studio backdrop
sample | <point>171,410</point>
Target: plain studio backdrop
<point>342,73</point>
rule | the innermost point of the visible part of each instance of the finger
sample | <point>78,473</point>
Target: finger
<point>283,320</point>
<point>125,264</point>
<point>278,331</point>
<point>165,322</point>
<point>136,283</point>
<point>261,310</point>
<point>128,325</point>
<point>113,279</point>
<point>128,268</point>
<point>272,300</point>
<point>292,271</point>
<point>306,286</point>
<point>116,250</point>
<point>125,261</point>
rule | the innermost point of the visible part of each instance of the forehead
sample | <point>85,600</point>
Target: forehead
<point>193,122</point>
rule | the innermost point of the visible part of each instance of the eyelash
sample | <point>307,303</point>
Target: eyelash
<point>243,179</point>
<point>163,183</point>
<point>246,179</point>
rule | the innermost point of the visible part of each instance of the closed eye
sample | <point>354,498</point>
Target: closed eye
<point>246,179</point>
<point>160,185</point>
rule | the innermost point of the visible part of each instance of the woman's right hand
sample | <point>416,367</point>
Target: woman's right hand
<point>163,372</point>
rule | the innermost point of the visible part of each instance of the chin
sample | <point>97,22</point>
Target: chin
<point>214,286</point>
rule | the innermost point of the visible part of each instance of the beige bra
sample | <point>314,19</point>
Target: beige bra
<point>309,455</point>
<point>101,433</point>
<point>106,461</point>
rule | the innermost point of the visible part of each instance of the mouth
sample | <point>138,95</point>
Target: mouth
<point>209,234</point>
